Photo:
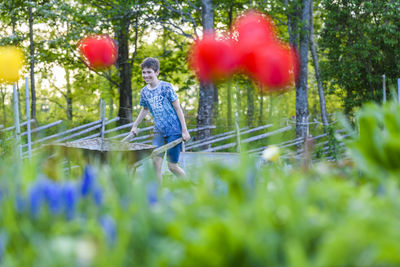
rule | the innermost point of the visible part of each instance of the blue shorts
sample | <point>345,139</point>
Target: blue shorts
<point>172,153</point>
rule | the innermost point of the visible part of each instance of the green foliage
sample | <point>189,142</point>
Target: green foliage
<point>242,214</point>
<point>331,148</point>
<point>359,43</point>
<point>376,145</point>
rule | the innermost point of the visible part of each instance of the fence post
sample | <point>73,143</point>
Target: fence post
<point>238,148</point>
<point>16,121</point>
<point>398,90</point>
<point>384,88</point>
<point>28,118</point>
<point>102,117</point>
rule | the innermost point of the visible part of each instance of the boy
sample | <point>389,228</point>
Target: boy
<point>160,99</point>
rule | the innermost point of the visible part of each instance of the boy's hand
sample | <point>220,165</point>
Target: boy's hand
<point>185,135</point>
<point>134,130</point>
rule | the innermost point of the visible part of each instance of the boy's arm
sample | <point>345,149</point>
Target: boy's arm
<point>181,117</point>
<point>143,112</point>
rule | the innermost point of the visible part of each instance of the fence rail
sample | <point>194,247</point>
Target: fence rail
<point>218,142</point>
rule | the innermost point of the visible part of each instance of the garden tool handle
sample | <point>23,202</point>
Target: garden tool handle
<point>126,138</point>
<point>165,147</point>
<point>159,150</point>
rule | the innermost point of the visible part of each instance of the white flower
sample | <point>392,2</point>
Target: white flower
<point>271,153</point>
<point>82,249</point>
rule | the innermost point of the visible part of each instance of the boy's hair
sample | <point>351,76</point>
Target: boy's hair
<point>151,63</point>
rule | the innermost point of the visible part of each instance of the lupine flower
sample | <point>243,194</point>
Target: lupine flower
<point>108,225</point>
<point>61,198</point>
<point>52,192</point>
<point>45,191</point>
<point>98,196</point>
<point>69,197</point>
<point>152,189</point>
<point>19,203</point>
<point>35,199</point>
<point>87,181</point>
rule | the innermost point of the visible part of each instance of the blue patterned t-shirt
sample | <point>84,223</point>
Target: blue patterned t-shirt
<point>159,102</point>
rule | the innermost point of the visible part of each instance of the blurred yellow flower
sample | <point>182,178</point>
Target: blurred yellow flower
<point>11,63</point>
<point>271,153</point>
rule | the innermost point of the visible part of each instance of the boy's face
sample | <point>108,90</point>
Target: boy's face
<point>149,76</point>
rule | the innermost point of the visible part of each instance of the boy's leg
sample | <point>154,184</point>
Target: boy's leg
<point>157,162</point>
<point>173,157</point>
<point>175,169</point>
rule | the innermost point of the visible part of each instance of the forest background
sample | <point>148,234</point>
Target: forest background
<point>344,47</point>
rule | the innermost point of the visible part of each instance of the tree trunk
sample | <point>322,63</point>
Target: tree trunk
<point>292,17</point>
<point>125,74</point>
<point>205,109</point>
<point>111,100</point>
<point>271,105</point>
<point>250,105</point>
<point>299,40</point>
<point>68,96</point>
<point>229,104</point>
<point>261,111</point>
<point>324,114</point>
<point>302,89</point>
<point>32,61</point>
<point>229,86</point>
<point>238,101</point>
<point>215,104</point>
<point>206,94</point>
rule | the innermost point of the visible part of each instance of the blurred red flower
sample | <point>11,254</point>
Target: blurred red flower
<point>253,48</point>
<point>213,59</point>
<point>98,51</point>
<point>251,31</point>
<point>273,66</point>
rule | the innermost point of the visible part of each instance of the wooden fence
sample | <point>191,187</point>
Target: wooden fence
<point>219,142</point>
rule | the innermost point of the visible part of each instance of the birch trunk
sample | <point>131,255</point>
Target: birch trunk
<point>206,94</point>
<point>302,88</point>
<point>322,104</point>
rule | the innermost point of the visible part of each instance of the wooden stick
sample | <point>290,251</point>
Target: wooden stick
<point>165,147</point>
<point>126,138</point>
<point>159,150</point>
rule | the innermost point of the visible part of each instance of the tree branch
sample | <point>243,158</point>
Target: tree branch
<point>184,16</point>
<point>102,74</point>
<point>53,101</point>
<point>58,89</point>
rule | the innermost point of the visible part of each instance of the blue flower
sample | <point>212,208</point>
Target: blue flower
<point>108,225</point>
<point>98,196</point>
<point>35,199</point>
<point>88,180</point>
<point>45,191</point>
<point>69,196</point>
<point>52,193</point>
<point>19,203</point>
<point>152,189</point>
